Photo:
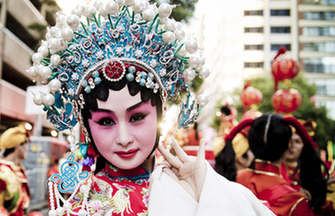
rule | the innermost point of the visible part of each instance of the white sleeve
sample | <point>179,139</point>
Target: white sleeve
<point>218,197</point>
<point>221,196</point>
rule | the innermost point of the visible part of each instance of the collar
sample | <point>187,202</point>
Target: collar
<point>136,173</point>
<point>266,168</point>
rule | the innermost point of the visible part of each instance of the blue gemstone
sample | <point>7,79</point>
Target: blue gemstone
<point>142,82</point>
<point>95,74</point>
<point>130,77</point>
<point>84,84</point>
<point>97,81</point>
<point>88,89</point>
<point>132,69</point>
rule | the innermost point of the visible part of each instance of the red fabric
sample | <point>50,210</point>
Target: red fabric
<point>266,177</point>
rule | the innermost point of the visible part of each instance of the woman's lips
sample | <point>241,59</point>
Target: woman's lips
<point>127,154</point>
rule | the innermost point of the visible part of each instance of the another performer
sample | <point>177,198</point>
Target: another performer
<point>113,74</point>
<point>14,189</point>
<point>268,139</point>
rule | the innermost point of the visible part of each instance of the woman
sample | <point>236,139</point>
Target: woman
<point>269,138</point>
<point>113,75</point>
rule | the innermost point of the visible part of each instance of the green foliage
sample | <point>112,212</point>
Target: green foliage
<point>307,110</point>
<point>183,10</point>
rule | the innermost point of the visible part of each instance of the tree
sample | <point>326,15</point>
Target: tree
<point>183,10</point>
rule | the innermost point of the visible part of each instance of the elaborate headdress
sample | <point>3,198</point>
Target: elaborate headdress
<point>111,40</point>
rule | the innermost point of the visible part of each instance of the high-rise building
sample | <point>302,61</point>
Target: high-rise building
<point>317,48</point>
<point>306,28</point>
<point>21,27</point>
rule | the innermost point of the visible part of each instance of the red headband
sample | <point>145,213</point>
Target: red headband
<point>301,130</point>
<point>238,128</point>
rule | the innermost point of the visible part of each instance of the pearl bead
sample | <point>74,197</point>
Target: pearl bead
<point>204,73</point>
<point>43,50</point>
<point>168,37</point>
<point>37,98</point>
<point>60,211</point>
<point>55,59</point>
<point>67,205</point>
<point>169,25</point>
<point>48,99</point>
<point>111,7</point>
<point>193,61</point>
<point>139,6</point>
<point>82,212</point>
<point>67,33</point>
<point>54,85</point>
<point>32,71</point>
<point>120,2</point>
<point>84,189</point>
<point>201,60</point>
<point>90,10</point>
<point>52,213</point>
<point>55,31</point>
<point>60,19</point>
<point>129,2</point>
<point>164,10</point>
<point>148,14</point>
<point>73,21</point>
<point>189,75</point>
<point>45,72</point>
<point>53,43</point>
<point>180,34</point>
<point>203,99</point>
<point>191,46</point>
<point>37,58</point>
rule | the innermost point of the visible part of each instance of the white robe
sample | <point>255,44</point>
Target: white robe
<point>219,196</point>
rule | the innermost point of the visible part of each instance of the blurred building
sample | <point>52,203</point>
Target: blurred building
<point>22,25</point>
<point>317,48</point>
<point>306,28</point>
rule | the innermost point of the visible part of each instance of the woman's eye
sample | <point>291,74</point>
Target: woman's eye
<point>106,122</point>
<point>137,117</point>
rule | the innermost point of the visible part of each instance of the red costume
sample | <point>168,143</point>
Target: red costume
<point>266,183</point>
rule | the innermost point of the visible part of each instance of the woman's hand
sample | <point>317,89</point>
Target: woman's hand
<point>188,171</point>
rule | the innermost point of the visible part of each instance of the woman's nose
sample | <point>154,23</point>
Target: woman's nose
<point>124,137</point>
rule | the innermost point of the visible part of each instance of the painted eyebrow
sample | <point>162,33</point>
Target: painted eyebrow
<point>134,106</point>
<point>128,109</point>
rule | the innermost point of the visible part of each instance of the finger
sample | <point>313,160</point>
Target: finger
<point>201,152</point>
<point>173,161</point>
<point>179,151</point>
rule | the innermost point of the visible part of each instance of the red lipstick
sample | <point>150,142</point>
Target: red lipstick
<point>127,154</point>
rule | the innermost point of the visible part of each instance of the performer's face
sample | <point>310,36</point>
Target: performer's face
<point>294,148</point>
<point>124,129</point>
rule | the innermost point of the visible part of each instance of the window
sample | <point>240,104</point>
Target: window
<point>325,87</point>
<point>253,47</point>
<point>324,65</point>
<point>319,31</point>
<point>281,29</point>
<point>253,29</point>
<point>284,12</point>
<point>275,47</point>
<point>323,15</point>
<point>253,64</point>
<point>328,47</point>
<point>253,13</point>
<point>319,2</point>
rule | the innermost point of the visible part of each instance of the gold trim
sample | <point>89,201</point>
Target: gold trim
<point>265,173</point>
<point>267,162</point>
<point>295,205</point>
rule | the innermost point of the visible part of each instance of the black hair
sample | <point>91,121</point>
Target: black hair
<point>277,138</point>
<point>311,177</point>
<point>226,110</point>
<point>225,162</point>
<point>101,92</point>
<point>8,151</point>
